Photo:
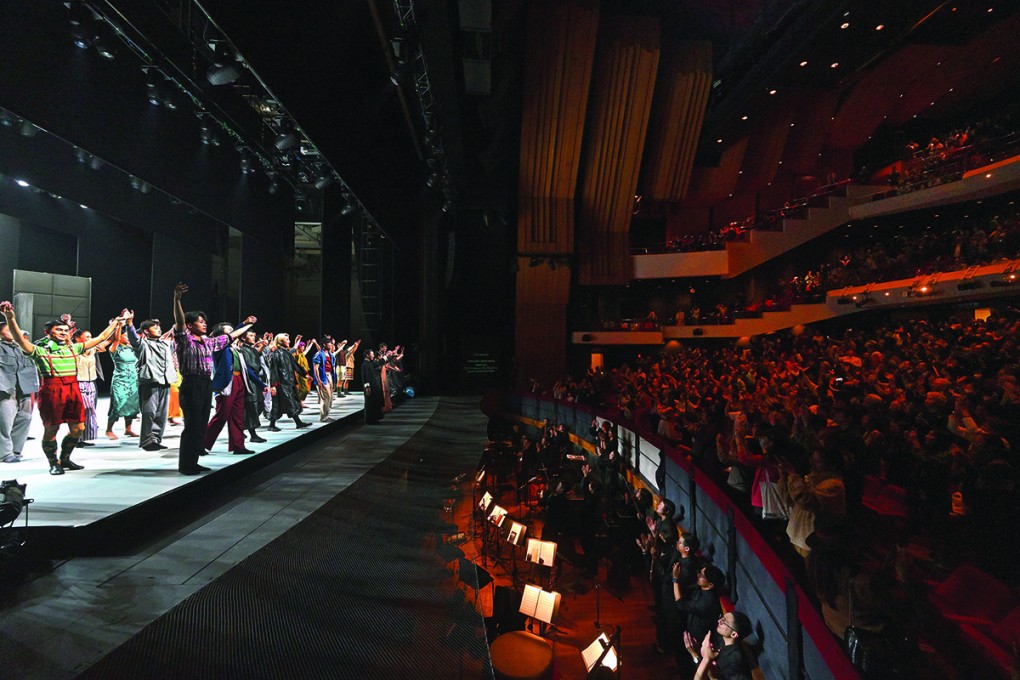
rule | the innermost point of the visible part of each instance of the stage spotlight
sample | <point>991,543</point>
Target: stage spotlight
<point>7,119</point>
<point>323,180</point>
<point>246,164</point>
<point>28,129</point>
<point>103,48</point>
<point>79,13</point>
<point>101,38</point>
<point>96,162</point>
<point>223,74</point>
<point>139,185</point>
<point>431,180</point>
<point>152,85</point>
<point>205,133</point>
<point>169,97</point>
<point>274,186</point>
<point>82,155</point>
<point>398,74</point>
<point>447,206</point>
<point>285,140</point>
<point>349,208</point>
<point>81,20</point>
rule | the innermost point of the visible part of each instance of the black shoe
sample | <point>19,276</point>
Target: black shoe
<point>193,470</point>
<point>162,446</point>
<point>301,425</point>
<point>255,439</point>
<point>56,469</point>
<point>243,452</point>
<point>85,444</point>
<point>69,464</point>
<point>153,447</point>
<point>274,428</point>
<point>204,452</point>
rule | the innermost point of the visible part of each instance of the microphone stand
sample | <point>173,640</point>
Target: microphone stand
<point>598,602</point>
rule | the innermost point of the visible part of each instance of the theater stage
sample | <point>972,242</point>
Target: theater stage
<point>122,486</point>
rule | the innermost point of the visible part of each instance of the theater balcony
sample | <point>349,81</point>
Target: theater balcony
<point>820,216</point>
<point>971,285</point>
<point>993,179</point>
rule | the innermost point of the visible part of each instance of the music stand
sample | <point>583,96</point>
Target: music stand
<point>449,552</point>
<point>471,575</point>
<point>514,538</point>
<point>541,605</point>
<point>601,658</point>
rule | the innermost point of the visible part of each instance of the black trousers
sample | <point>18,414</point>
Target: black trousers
<point>196,402</point>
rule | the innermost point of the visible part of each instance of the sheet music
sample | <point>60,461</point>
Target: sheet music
<point>548,555</point>
<point>592,652</point>
<point>534,547</point>
<point>498,515</point>
<point>517,531</point>
<point>530,600</point>
<point>484,503</point>
<point>548,604</point>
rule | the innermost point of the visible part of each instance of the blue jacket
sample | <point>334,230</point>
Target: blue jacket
<point>223,372</point>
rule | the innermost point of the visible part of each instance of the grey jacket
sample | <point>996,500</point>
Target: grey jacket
<point>155,359</point>
<point>17,370</point>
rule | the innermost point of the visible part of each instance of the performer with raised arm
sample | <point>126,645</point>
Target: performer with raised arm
<point>259,377</point>
<point>19,380</point>
<point>324,377</point>
<point>60,398</point>
<point>303,383</point>
<point>89,371</point>
<point>123,382</point>
<point>283,376</point>
<point>194,357</point>
<point>348,368</point>
<point>157,371</point>
<point>233,380</point>
<point>371,378</point>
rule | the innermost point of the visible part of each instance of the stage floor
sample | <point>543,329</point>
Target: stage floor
<point>119,475</point>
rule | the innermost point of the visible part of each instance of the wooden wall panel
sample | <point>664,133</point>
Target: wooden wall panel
<point>734,209</point>
<point>681,99</point>
<point>561,50</point>
<point>814,110</point>
<point>711,184</point>
<point>681,221</point>
<point>765,145</point>
<point>627,62</point>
